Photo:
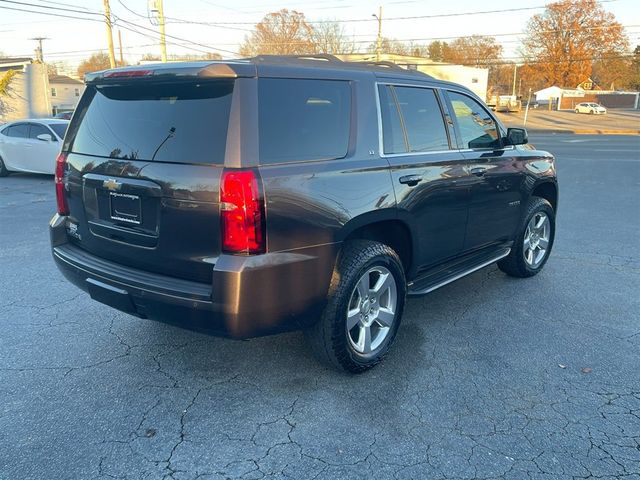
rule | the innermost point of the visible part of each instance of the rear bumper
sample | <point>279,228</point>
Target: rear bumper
<point>249,295</point>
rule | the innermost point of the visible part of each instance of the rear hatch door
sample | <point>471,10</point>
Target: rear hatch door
<point>145,160</point>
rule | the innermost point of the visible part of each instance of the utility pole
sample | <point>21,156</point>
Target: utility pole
<point>515,71</point>
<point>379,38</point>
<point>163,42</point>
<point>39,54</point>
<point>120,44</point>
<point>107,21</point>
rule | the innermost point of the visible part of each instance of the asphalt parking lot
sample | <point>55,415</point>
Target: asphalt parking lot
<point>490,377</point>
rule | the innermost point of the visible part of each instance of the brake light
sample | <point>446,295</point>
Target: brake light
<point>241,212</point>
<point>128,73</point>
<point>61,199</point>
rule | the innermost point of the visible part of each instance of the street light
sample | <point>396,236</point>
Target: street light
<point>379,38</point>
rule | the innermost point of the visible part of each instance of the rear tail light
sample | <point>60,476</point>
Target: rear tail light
<point>61,199</point>
<point>241,212</point>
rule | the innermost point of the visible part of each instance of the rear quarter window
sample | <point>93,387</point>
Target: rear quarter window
<point>303,120</point>
<point>179,123</point>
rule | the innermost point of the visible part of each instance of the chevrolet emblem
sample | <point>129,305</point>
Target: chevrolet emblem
<point>111,184</point>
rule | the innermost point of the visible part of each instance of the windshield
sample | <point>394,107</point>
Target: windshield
<point>181,123</point>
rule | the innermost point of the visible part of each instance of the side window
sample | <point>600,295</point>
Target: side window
<point>37,129</point>
<point>423,120</point>
<point>392,134</point>
<point>477,128</point>
<point>20,130</point>
<point>303,119</point>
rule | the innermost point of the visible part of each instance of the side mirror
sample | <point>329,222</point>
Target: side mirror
<point>516,136</point>
<point>45,137</point>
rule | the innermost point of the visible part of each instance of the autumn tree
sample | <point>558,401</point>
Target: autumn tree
<point>280,33</point>
<point>634,73</point>
<point>473,51</point>
<point>562,43</point>
<point>97,61</point>
<point>437,50</point>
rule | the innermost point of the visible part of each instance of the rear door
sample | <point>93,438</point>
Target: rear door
<point>145,160</point>
<point>429,173</point>
<point>496,174</point>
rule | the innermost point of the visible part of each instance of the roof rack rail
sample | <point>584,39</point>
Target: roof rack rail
<point>288,58</point>
<point>381,63</point>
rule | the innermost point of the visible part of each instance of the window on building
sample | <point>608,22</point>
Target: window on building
<point>54,93</point>
<point>77,92</point>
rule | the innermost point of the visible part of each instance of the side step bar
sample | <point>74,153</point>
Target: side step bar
<point>440,278</point>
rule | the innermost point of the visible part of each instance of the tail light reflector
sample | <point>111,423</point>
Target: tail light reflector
<point>61,199</point>
<point>241,212</point>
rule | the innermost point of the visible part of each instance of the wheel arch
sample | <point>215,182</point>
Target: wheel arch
<point>385,228</point>
<point>548,191</point>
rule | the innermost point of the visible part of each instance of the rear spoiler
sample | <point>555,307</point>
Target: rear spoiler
<point>173,71</point>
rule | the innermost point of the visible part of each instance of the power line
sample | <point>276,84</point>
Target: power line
<point>49,14</point>
<point>52,8</point>
<point>413,17</point>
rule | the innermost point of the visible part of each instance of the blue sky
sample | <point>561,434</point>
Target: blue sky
<point>70,40</point>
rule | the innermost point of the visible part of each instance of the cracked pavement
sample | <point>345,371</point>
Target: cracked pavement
<point>489,377</point>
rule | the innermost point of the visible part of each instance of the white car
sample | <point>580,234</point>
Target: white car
<point>31,145</point>
<point>593,108</point>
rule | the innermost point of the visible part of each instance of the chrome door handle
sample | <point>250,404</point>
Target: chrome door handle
<point>411,180</point>
<point>478,171</point>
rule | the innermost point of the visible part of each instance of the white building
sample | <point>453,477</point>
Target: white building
<point>27,93</point>
<point>475,79</point>
<point>64,93</point>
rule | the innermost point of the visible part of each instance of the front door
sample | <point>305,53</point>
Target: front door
<point>496,189</point>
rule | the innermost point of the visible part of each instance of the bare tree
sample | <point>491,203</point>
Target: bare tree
<point>280,33</point>
<point>329,37</point>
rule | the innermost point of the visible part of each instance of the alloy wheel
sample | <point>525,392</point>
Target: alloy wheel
<point>372,309</point>
<point>536,239</point>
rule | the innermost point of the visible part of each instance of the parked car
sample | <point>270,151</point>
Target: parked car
<point>251,197</point>
<point>64,115</point>
<point>592,108</point>
<point>31,145</point>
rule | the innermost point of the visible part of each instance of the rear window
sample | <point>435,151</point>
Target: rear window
<point>180,123</point>
<point>301,120</point>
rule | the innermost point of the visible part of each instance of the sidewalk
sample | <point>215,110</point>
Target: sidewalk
<point>614,122</point>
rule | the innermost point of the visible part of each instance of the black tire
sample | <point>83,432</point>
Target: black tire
<point>3,169</point>
<point>329,339</point>
<point>515,264</point>
<point>577,111</point>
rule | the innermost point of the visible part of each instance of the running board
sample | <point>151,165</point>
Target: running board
<point>440,278</point>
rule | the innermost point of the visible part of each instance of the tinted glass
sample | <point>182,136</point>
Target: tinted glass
<point>392,134</point>
<point>183,123</point>
<point>303,119</point>
<point>37,129</point>
<point>477,127</point>
<point>423,119</point>
<point>59,128</point>
<point>19,131</point>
